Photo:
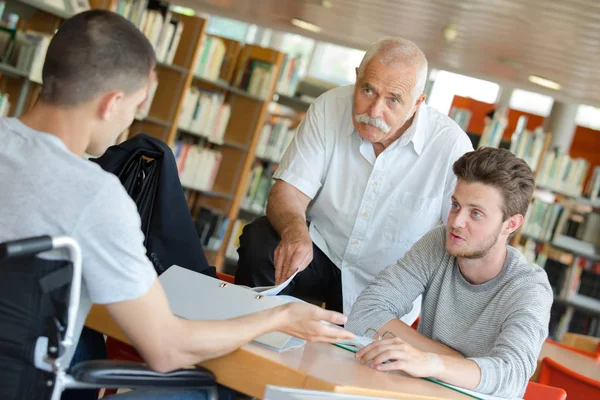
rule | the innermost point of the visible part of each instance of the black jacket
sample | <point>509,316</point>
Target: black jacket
<point>147,169</point>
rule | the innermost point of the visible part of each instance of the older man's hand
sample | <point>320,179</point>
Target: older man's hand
<point>294,253</point>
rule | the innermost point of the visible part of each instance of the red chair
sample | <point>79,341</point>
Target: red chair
<point>226,277</point>
<point>595,356</point>
<point>537,391</point>
<point>577,386</point>
<point>415,324</point>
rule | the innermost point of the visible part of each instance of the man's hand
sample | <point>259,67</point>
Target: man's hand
<point>395,354</point>
<point>305,321</point>
<point>293,253</point>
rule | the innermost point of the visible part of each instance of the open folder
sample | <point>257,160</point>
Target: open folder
<point>195,296</point>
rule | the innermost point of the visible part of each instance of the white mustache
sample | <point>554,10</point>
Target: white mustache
<point>376,122</point>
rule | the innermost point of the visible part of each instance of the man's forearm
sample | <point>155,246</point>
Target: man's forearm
<point>286,208</point>
<point>456,371</point>
<point>414,338</point>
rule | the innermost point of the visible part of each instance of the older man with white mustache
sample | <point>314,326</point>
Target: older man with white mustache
<point>367,174</point>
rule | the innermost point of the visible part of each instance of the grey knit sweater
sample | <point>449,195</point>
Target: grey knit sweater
<point>501,324</point>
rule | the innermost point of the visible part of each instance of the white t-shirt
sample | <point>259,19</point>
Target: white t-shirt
<point>367,211</point>
<point>47,190</point>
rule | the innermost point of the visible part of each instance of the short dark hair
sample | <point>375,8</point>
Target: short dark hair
<point>94,52</point>
<point>502,169</point>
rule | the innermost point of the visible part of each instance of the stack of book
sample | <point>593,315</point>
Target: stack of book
<point>234,239</point>
<point>259,186</point>
<point>210,58</point>
<point>204,113</point>
<point>256,78</point>
<point>274,140</point>
<point>461,116</point>
<point>197,166</point>
<point>289,76</point>
<point>563,174</point>
<point>541,220</point>
<point>528,145</point>
<point>211,227</point>
<point>156,21</point>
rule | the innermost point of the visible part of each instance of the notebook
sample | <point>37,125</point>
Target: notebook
<point>195,296</point>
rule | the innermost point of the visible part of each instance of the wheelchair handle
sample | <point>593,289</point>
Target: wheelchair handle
<point>25,247</point>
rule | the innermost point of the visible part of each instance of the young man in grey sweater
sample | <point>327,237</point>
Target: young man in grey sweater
<point>485,308</point>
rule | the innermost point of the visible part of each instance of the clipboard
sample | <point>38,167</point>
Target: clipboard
<point>195,296</point>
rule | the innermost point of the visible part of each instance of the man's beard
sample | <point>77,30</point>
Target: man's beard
<point>483,251</point>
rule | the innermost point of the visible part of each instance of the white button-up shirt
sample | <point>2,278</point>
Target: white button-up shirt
<point>367,211</point>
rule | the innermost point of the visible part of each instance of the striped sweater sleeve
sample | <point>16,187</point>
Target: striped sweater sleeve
<point>513,358</point>
<point>391,294</point>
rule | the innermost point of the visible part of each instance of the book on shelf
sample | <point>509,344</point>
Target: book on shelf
<point>493,131</point>
<point>4,104</point>
<point>593,188</point>
<point>541,220</point>
<point>259,186</point>
<point>144,108</point>
<point>211,227</point>
<point>461,116</point>
<point>528,145</point>
<point>563,174</point>
<point>256,78</point>
<point>29,53</point>
<point>289,76</point>
<point>234,239</point>
<point>205,114</point>
<point>156,21</point>
<point>274,140</point>
<point>197,166</point>
<point>210,58</point>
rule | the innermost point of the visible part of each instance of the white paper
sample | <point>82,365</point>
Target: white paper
<point>274,290</point>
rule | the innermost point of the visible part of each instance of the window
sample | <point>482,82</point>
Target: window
<point>446,85</point>
<point>335,64</point>
<point>531,102</point>
<point>227,28</point>
<point>588,117</point>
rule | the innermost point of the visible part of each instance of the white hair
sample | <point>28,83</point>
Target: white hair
<point>395,50</point>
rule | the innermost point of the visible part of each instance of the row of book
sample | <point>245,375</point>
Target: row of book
<point>27,52</point>
<point>211,227</point>
<point>593,188</point>
<point>563,174</point>
<point>234,240</point>
<point>144,109</point>
<point>155,20</point>
<point>259,186</point>
<point>274,139</point>
<point>289,76</point>
<point>256,78</point>
<point>197,166</point>
<point>528,145</point>
<point>4,105</point>
<point>461,116</point>
<point>493,131</point>
<point>541,220</point>
<point>205,113</point>
<point>210,57</point>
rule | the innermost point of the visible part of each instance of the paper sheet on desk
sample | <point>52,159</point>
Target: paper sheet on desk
<point>274,290</point>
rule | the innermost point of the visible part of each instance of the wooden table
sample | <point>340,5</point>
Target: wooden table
<point>579,363</point>
<point>315,366</point>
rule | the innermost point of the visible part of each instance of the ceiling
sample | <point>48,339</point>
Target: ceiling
<point>500,40</point>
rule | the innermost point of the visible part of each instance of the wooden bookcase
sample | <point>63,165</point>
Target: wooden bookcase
<point>248,112</point>
<point>248,115</point>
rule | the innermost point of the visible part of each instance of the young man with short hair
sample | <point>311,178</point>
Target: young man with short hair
<point>485,308</point>
<point>97,72</point>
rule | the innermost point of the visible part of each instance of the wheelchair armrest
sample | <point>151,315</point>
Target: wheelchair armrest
<point>127,374</point>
